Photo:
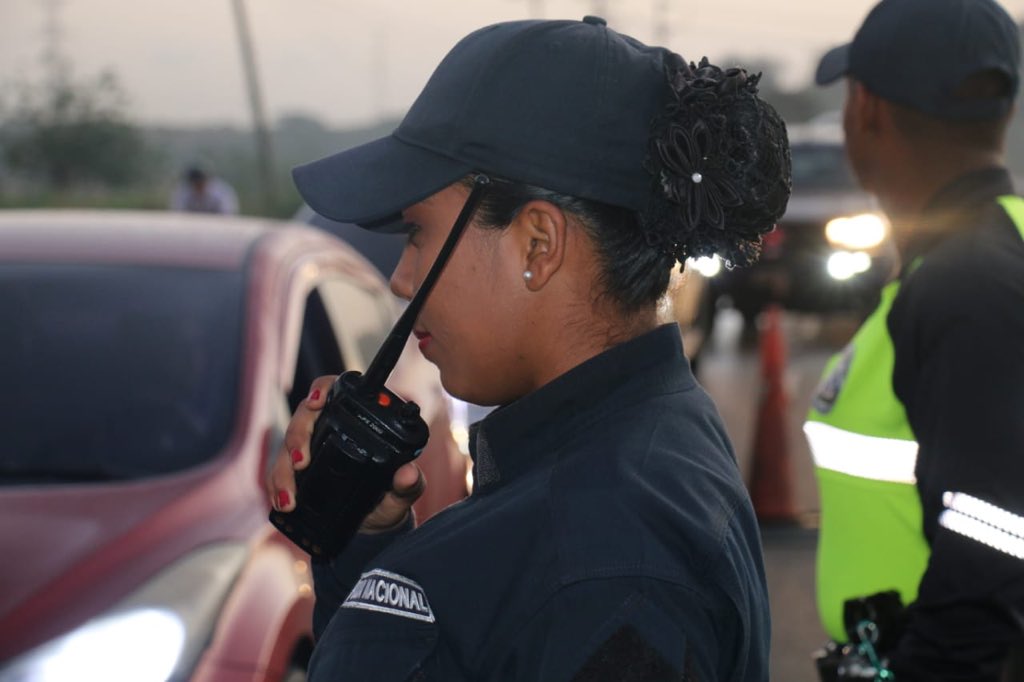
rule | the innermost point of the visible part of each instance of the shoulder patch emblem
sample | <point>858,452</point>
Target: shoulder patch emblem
<point>828,390</point>
<point>387,592</point>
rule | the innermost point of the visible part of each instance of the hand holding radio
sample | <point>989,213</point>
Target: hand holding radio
<point>351,453</point>
<point>364,433</point>
<point>407,486</point>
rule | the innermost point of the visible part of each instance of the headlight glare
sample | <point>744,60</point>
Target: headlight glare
<point>135,646</point>
<point>843,265</point>
<point>155,634</point>
<point>863,231</point>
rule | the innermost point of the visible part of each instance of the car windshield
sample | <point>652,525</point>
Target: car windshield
<point>821,167</point>
<point>113,372</point>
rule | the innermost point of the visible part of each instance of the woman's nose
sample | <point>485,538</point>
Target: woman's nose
<point>401,278</point>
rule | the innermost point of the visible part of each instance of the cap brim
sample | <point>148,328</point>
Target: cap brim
<point>834,65</point>
<point>371,184</point>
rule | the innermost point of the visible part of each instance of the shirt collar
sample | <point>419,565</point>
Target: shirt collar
<point>522,435</point>
<point>948,209</point>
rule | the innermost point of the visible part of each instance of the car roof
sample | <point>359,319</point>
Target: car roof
<point>382,249</point>
<point>150,237</point>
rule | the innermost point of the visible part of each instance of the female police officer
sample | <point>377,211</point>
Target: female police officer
<point>609,535</point>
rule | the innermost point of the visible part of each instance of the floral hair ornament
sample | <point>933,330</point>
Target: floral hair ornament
<point>697,154</point>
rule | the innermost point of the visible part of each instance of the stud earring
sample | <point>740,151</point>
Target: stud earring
<point>528,275</point>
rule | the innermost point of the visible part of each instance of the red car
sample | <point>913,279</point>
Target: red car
<point>149,363</point>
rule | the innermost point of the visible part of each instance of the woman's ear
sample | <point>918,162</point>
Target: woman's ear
<point>539,231</point>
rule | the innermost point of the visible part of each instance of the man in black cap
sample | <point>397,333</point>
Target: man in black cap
<point>917,429</point>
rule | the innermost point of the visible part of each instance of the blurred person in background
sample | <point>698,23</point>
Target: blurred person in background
<point>609,535</point>
<point>200,192</point>
<point>917,428</point>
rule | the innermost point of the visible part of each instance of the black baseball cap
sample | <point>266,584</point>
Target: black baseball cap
<point>564,105</point>
<point>918,53</point>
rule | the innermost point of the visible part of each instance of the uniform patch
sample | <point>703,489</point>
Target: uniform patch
<point>828,390</point>
<point>387,592</point>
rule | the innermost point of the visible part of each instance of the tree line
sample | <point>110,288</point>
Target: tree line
<point>72,142</point>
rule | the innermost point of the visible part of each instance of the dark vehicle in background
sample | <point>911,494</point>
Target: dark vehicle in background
<point>831,252</point>
<point>149,364</point>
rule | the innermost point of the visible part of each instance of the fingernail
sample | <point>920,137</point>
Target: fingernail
<point>283,498</point>
<point>315,395</point>
<point>296,456</point>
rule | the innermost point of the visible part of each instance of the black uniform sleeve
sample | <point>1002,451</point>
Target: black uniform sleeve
<point>622,630</point>
<point>959,344</point>
<point>333,580</point>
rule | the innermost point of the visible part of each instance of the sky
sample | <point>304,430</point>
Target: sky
<point>350,62</point>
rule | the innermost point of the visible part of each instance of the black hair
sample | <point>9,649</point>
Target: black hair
<point>719,163</point>
<point>720,157</point>
<point>195,174</point>
<point>634,274</point>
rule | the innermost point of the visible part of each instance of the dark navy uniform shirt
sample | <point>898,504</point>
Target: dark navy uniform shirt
<point>609,537</point>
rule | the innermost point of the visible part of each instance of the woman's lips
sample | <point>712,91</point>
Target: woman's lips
<point>423,338</point>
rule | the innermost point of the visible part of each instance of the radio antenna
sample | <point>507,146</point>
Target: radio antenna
<point>387,357</point>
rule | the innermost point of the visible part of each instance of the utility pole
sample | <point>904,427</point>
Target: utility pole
<point>379,68</point>
<point>53,60</point>
<point>263,148</point>
<point>661,23</point>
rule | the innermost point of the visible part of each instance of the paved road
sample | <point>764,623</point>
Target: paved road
<point>789,563</point>
<point>731,374</point>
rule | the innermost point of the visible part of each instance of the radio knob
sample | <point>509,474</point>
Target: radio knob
<point>409,412</point>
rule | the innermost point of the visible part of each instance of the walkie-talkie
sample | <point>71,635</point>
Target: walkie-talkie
<point>364,433</point>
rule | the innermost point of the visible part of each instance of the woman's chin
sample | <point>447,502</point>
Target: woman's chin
<point>467,391</point>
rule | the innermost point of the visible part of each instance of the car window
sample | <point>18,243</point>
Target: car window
<point>361,319</point>
<point>319,350</point>
<point>114,371</point>
<point>820,166</point>
<point>343,325</point>
<point>383,250</point>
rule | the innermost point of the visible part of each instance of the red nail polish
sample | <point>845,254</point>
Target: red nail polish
<point>296,456</point>
<point>283,498</point>
<point>315,395</point>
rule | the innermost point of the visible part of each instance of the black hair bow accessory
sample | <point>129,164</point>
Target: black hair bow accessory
<point>696,150</point>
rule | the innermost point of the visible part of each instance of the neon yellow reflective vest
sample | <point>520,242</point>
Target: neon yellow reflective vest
<point>870,537</point>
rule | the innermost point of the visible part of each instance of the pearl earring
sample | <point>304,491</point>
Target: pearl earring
<point>528,275</point>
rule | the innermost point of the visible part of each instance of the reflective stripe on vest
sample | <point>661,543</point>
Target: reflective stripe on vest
<point>879,459</point>
<point>870,536</point>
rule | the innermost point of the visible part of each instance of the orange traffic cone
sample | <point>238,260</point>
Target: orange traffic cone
<point>771,488</point>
